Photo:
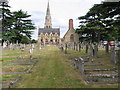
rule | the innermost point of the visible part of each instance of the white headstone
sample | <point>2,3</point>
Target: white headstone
<point>30,51</point>
<point>4,44</point>
<point>11,45</point>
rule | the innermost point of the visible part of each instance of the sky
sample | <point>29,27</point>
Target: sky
<point>61,11</point>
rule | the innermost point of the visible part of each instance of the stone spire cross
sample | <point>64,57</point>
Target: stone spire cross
<point>48,23</point>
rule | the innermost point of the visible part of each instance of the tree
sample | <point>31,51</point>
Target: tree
<point>5,20</point>
<point>25,40</point>
<point>22,26</point>
<point>15,25</point>
<point>33,41</point>
<point>101,23</point>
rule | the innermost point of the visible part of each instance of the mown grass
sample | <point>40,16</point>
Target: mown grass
<point>54,70</point>
<point>8,76</point>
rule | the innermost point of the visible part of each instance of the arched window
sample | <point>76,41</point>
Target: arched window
<point>51,40</point>
<point>55,40</point>
<point>72,38</point>
<point>46,40</point>
<point>46,34</point>
<point>51,34</point>
<point>41,40</point>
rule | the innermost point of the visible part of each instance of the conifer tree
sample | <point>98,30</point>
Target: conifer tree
<point>101,22</point>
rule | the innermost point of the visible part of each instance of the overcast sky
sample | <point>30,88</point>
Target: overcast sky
<point>61,11</point>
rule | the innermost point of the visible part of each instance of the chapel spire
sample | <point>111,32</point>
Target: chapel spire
<point>48,23</point>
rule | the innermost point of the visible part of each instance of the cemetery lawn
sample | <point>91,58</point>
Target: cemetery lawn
<point>54,70</point>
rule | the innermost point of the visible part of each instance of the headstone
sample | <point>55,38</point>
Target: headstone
<point>79,48</point>
<point>4,44</point>
<point>95,50</point>
<point>11,45</point>
<point>86,48</point>
<point>30,51</point>
<point>65,48</point>
<point>113,56</point>
<point>91,50</point>
<point>81,65</point>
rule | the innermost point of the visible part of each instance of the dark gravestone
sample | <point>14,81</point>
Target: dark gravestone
<point>81,65</point>
<point>74,46</point>
<point>107,48</point>
<point>96,50</point>
<point>86,48</point>
<point>79,48</point>
<point>65,49</point>
<point>91,50</point>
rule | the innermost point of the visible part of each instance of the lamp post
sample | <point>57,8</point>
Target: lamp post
<point>2,17</point>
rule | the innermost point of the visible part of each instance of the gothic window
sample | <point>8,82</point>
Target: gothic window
<point>41,40</point>
<point>51,40</point>
<point>47,26</point>
<point>51,34</point>
<point>72,38</point>
<point>56,34</point>
<point>46,40</point>
<point>46,34</point>
<point>55,40</point>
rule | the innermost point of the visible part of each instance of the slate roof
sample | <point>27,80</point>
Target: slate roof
<point>49,30</point>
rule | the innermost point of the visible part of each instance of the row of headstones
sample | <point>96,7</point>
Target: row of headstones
<point>23,47</point>
<point>79,63</point>
<point>78,46</point>
<point>114,54</point>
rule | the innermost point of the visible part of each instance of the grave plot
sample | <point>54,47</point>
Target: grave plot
<point>9,80</point>
<point>96,73</point>
<point>15,63</point>
<point>15,68</point>
<point>21,61</point>
<point>12,70</point>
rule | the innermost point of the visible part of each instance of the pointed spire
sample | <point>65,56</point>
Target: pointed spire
<point>48,23</point>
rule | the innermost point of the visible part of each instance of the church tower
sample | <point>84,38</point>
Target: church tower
<point>48,34</point>
<point>48,23</point>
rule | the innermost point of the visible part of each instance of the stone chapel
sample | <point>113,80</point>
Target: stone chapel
<point>71,36</point>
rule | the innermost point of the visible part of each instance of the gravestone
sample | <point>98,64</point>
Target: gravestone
<point>30,51</point>
<point>11,45</point>
<point>81,65</point>
<point>86,48</point>
<point>65,48</point>
<point>79,48</point>
<point>91,50</point>
<point>113,55</point>
<point>4,44</point>
<point>95,49</point>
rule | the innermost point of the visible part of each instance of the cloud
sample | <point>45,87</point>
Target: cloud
<point>61,11</point>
